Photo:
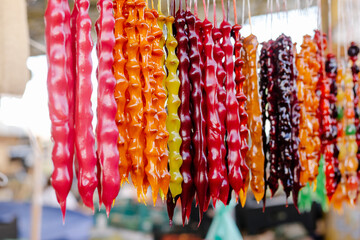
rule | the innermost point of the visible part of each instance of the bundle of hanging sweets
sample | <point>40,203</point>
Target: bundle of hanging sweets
<point>185,113</point>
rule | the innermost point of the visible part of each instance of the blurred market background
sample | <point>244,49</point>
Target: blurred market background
<point>28,208</point>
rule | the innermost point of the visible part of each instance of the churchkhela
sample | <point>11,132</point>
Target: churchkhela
<point>181,109</point>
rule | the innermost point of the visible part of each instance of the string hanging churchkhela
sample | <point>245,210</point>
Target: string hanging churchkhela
<point>187,109</point>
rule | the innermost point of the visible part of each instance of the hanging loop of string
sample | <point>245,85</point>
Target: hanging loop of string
<point>214,8</point>
<point>329,26</point>
<point>243,13</point>
<point>223,8</point>
<point>205,9</point>
<point>228,9</point>
<point>235,14</point>
<point>249,12</point>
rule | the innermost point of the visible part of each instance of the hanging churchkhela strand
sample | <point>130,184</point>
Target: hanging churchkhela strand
<point>353,53</point>
<point>351,162</point>
<point>84,136</point>
<point>255,155</point>
<point>122,83</point>
<point>188,189</point>
<point>265,58</point>
<point>195,75</point>
<point>234,156</point>
<point>221,109</point>
<point>73,19</point>
<point>284,80</point>
<point>134,107</point>
<point>213,126</point>
<point>173,121</point>
<point>107,151</point>
<point>333,176</point>
<point>70,68</point>
<point>272,98</point>
<point>241,98</point>
<point>160,96</point>
<point>150,122</point>
<point>309,145</point>
<point>340,193</point>
<point>57,83</point>
<point>163,136</point>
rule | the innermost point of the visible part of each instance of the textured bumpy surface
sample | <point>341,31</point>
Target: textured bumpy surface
<point>213,126</point>
<point>284,117</point>
<point>351,162</point>
<point>122,83</point>
<point>84,137</point>
<point>173,121</point>
<point>255,155</point>
<point>151,122</point>
<point>309,147</point>
<point>340,195</point>
<point>273,180</point>
<point>163,136</point>
<point>195,75</point>
<point>234,157</point>
<point>160,97</point>
<point>188,188</point>
<point>331,163</point>
<point>134,108</point>
<point>240,70</point>
<point>70,68</point>
<point>282,81</point>
<point>57,82</point>
<point>263,89</point>
<point>221,98</point>
<point>106,129</point>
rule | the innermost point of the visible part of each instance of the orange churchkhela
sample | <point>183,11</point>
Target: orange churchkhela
<point>148,81</point>
<point>122,83</point>
<point>163,135</point>
<point>255,156</point>
<point>159,104</point>
<point>134,108</point>
<point>309,147</point>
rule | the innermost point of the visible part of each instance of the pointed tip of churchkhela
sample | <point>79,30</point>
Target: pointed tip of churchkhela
<point>108,209</point>
<point>170,204</point>
<point>63,210</point>
<point>242,196</point>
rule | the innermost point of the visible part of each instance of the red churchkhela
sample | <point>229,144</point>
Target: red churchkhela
<point>84,137</point>
<point>59,109</point>
<point>188,189</point>
<point>106,129</point>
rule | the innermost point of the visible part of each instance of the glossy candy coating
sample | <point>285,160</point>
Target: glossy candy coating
<point>255,155</point>
<point>213,126</point>
<point>151,154</point>
<point>84,136</point>
<point>160,97</point>
<point>221,108</point>
<point>340,194</point>
<point>263,89</point>
<point>106,130</point>
<point>234,157</point>
<point>163,135</point>
<point>331,163</point>
<point>272,98</point>
<point>173,121</point>
<point>351,163</point>
<point>61,177</point>
<point>284,78</point>
<point>134,108</point>
<point>195,75</point>
<point>188,188</point>
<point>122,83</point>
<point>240,56</point>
